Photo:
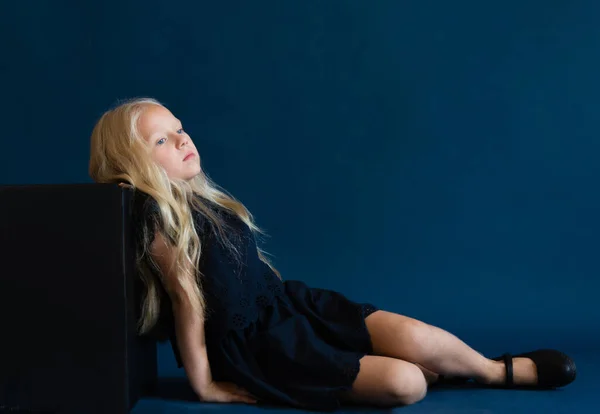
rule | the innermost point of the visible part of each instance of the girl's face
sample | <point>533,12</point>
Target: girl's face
<point>170,146</point>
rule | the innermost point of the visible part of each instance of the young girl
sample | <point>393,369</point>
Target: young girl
<point>239,331</point>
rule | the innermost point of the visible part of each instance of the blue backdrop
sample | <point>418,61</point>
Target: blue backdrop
<point>436,158</point>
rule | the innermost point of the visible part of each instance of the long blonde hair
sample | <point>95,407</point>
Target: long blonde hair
<point>119,153</point>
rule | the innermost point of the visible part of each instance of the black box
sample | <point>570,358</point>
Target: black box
<point>69,301</point>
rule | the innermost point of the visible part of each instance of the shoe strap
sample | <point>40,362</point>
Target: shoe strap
<point>508,364</point>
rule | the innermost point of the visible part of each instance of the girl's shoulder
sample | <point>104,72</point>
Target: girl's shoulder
<point>146,212</point>
<point>143,206</point>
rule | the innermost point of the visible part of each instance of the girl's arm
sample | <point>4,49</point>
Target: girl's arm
<point>189,330</point>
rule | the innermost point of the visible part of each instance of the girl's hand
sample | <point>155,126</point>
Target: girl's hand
<point>226,392</point>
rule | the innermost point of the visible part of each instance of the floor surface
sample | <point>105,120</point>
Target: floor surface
<point>582,396</point>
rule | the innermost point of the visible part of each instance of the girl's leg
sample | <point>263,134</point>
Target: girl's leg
<point>386,382</point>
<point>439,351</point>
<point>430,376</point>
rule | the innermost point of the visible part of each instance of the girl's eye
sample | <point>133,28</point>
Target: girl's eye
<point>180,131</point>
<point>161,141</point>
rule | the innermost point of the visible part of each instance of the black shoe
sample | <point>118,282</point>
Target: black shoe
<point>554,369</point>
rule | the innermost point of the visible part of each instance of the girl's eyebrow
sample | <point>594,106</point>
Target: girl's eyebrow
<point>156,135</point>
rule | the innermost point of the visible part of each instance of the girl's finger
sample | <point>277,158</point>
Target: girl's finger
<point>249,400</point>
<point>248,394</point>
<point>242,391</point>
<point>244,399</point>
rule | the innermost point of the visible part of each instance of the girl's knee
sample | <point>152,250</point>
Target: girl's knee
<point>387,382</point>
<point>406,384</point>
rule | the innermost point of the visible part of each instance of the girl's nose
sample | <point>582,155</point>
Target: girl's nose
<point>183,141</point>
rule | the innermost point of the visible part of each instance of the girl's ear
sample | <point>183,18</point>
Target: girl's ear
<point>125,185</point>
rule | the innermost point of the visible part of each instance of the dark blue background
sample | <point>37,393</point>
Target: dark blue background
<point>439,159</point>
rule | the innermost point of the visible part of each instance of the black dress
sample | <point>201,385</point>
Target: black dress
<point>285,342</point>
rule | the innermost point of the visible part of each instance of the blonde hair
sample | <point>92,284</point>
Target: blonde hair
<point>119,153</point>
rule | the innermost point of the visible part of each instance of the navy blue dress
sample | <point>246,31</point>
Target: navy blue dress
<point>285,342</point>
